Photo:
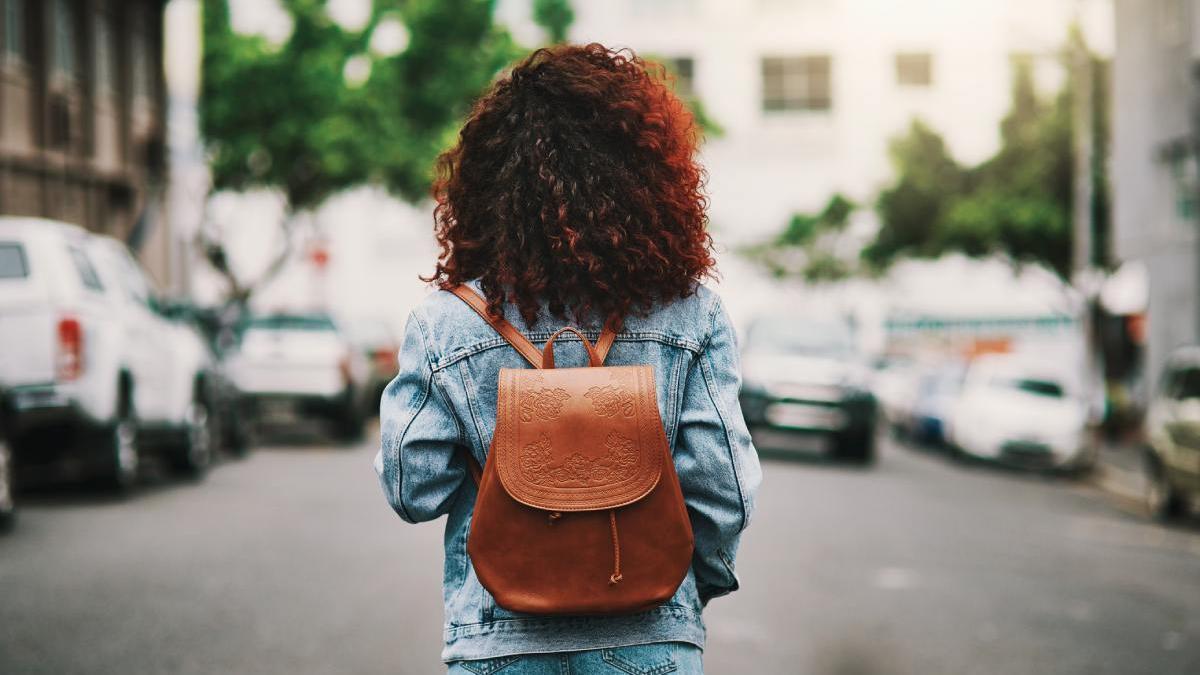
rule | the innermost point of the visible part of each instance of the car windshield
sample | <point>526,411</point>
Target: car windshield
<point>1029,385</point>
<point>290,322</point>
<point>1187,384</point>
<point>800,336</point>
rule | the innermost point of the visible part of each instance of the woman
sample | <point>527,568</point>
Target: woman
<point>573,196</point>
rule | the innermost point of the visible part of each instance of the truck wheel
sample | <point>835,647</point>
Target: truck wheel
<point>237,435</point>
<point>195,454</point>
<point>349,424</point>
<point>1163,501</point>
<point>120,451</point>
<point>857,447</point>
<point>8,505</point>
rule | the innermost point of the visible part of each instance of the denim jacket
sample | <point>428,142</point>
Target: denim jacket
<point>444,398</point>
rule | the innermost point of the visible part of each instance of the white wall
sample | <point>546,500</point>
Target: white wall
<point>769,165</point>
<point>1153,93</point>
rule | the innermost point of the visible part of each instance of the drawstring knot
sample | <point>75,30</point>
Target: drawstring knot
<point>616,575</point>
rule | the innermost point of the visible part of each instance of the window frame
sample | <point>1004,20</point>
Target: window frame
<point>64,53</point>
<point>810,73</point>
<point>16,12</point>
<point>904,64</point>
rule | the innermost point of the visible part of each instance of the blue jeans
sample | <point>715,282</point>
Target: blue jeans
<point>659,658</point>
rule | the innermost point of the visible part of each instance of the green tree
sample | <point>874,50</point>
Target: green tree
<point>1018,203</point>
<point>286,118</point>
<point>556,16</point>
<point>911,209</point>
<point>807,246</point>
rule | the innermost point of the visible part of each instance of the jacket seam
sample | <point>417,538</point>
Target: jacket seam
<point>425,390</point>
<point>461,353</point>
<point>516,623</point>
<point>706,371</point>
<point>472,407</point>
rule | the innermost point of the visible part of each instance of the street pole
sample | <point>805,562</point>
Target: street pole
<point>1082,124</point>
<point>1082,230</point>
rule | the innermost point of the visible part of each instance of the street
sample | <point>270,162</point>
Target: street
<point>290,561</point>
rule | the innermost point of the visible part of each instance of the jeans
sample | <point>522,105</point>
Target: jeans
<point>652,659</point>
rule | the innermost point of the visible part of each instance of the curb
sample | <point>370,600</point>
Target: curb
<point>1122,483</point>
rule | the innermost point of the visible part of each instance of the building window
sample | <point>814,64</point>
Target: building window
<point>144,61</point>
<point>684,70</point>
<point>796,83</point>
<point>14,28</point>
<point>106,66</point>
<point>914,70</point>
<point>64,37</point>
<point>1173,19</point>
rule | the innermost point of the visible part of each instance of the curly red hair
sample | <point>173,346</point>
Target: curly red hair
<point>574,182</point>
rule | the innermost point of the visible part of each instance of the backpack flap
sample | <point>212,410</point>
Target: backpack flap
<point>578,439</point>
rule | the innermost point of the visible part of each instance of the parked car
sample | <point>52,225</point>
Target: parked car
<point>8,493</point>
<point>895,384</point>
<point>1173,437</point>
<point>218,326</point>
<point>96,373</point>
<point>1022,413</point>
<point>301,364</point>
<point>803,381</point>
<point>381,347</point>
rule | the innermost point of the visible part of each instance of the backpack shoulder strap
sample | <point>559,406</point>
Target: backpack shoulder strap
<point>514,337</point>
<point>506,330</point>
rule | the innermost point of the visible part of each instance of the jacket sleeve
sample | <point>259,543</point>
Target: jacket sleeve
<point>716,461</point>
<point>418,464</point>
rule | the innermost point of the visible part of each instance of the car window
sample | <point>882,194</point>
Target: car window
<point>799,336</point>
<point>1029,385</point>
<point>13,264</point>
<point>85,268</point>
<point>135,282</point>
<point>298,322</point>
<point>1186,384</point>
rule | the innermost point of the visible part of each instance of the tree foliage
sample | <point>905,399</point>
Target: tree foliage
<point>556,16</point>
<point>808,246</point>
<point>286,117</point>
<point>1018,203</point>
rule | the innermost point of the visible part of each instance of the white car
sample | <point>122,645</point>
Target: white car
<point>1021,413</point>
<point>8,501</point>
<point>96,374</point>
<point>297,364</point>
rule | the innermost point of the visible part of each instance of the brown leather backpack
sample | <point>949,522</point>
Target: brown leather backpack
<point>579,510</point>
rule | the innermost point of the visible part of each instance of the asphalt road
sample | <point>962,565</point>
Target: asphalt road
<point>291,562</point>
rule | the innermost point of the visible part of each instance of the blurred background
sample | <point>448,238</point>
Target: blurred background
<point>959,239</point>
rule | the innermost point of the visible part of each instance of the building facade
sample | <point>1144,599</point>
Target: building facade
<point>82,117</point>
<point>1156,133</point>
<point>810,93</point>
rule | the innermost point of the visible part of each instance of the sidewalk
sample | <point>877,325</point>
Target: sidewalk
<point>1119,470</point>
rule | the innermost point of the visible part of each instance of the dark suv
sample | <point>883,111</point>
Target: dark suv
<point>804,384</point>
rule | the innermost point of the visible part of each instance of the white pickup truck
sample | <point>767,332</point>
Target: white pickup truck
<point>95,373</point>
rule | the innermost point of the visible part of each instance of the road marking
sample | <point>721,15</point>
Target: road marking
<point>894,578</point>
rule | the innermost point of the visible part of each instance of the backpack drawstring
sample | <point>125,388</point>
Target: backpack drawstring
<point>616,575</point>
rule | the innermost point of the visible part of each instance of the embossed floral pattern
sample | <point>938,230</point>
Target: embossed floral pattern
<point>617,464</point>
<point>610,401</point>
<point>544,404</point>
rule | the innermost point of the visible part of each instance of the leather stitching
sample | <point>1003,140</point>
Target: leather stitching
<point>528,478</point>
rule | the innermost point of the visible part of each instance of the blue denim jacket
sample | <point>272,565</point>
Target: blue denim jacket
<point>445,397</point>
